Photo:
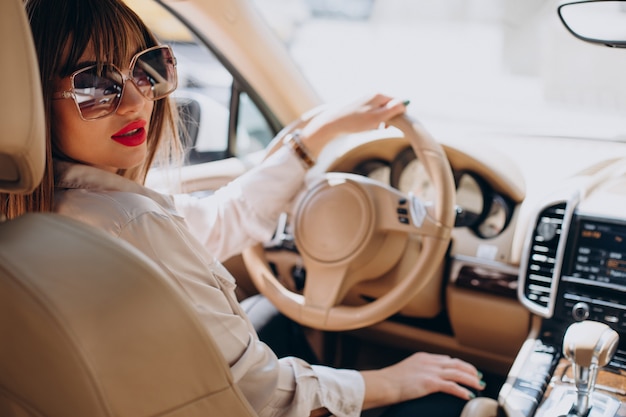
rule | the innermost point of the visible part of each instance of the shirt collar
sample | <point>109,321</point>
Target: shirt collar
<point>69,175</point>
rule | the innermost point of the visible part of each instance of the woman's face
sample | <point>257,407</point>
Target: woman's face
<point>117,141</point>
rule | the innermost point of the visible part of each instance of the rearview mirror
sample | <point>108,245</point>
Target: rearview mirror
<point>596,21</point>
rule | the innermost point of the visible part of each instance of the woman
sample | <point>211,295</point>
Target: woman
<point>105,82</point>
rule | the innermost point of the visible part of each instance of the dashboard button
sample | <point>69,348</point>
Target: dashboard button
<point>580,311</point>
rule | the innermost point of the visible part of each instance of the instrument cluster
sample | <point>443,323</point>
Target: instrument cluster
<point>479,207</point>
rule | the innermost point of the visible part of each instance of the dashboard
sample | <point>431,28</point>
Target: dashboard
<point>479,207</point>
<point>510,191</point>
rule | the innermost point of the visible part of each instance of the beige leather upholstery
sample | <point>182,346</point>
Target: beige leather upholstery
<point>88,325</point>
<point>21,109</point>
<point>90,328</point>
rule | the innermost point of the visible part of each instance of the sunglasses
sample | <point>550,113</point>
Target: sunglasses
<point>97,90</point>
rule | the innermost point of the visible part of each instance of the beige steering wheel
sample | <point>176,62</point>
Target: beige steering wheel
<point>349,229</point>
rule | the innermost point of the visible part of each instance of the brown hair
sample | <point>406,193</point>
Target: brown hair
<point>62,31</point>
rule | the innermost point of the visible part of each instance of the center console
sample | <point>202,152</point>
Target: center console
<point>573,272</point>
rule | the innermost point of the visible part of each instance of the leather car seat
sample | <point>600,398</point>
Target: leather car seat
<point>89,327</point>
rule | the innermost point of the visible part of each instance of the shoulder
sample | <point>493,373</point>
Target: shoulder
<point>107,210</point>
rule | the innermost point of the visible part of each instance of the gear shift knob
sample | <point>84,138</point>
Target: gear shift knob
<point>588,345</point>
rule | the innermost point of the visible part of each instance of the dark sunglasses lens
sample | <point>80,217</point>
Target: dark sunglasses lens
<point>155,73</point>
<point>97,93</point>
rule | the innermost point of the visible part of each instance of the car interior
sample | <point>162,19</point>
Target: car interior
<point>402,241</point>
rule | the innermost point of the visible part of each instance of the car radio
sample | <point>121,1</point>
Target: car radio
<point>592,285</point>
<point>575,270</point>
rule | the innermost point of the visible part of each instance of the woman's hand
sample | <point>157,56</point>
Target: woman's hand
<point>418,375</point>
<point>364,114</point>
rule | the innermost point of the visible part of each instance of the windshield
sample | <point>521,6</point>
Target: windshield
<point>493,65</point>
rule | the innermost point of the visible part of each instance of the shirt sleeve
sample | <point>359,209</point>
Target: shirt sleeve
<point>309,387</point>
<point>246,210</point>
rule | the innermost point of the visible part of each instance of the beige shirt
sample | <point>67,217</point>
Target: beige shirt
<point>187,236</point>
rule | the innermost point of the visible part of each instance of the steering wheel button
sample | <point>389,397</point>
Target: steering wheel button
<point>418,209</point>
<point>404,220</point>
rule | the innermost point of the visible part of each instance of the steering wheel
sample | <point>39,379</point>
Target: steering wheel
<point>349,229</point>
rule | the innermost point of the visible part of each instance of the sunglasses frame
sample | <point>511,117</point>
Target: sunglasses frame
<point>71,93</point>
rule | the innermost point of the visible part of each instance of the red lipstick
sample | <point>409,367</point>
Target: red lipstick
<point>133,134</point>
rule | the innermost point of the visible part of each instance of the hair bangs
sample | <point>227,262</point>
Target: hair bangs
<point>109,30</point>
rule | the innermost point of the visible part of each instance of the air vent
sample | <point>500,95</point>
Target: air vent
<point>541,268</point>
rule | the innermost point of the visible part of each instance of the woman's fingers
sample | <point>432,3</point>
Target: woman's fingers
<point>455,389</point>
<point>423,373</point>
<point>419,375</point>
<point>383,108</point>
<point>470,380</point>
<point>361,115</point>
<point>457,371</point>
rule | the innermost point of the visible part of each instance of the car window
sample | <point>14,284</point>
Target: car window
<point>503,65</point>
<point>219,119</point>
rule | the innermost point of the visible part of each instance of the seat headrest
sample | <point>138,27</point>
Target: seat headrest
<point>22,120</point>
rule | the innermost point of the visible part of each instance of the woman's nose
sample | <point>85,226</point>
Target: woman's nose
<point>132,99</point>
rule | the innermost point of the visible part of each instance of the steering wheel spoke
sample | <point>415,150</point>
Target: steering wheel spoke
<point>325,290</point>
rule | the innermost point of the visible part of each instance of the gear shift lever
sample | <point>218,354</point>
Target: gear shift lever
<point>588,345</point>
